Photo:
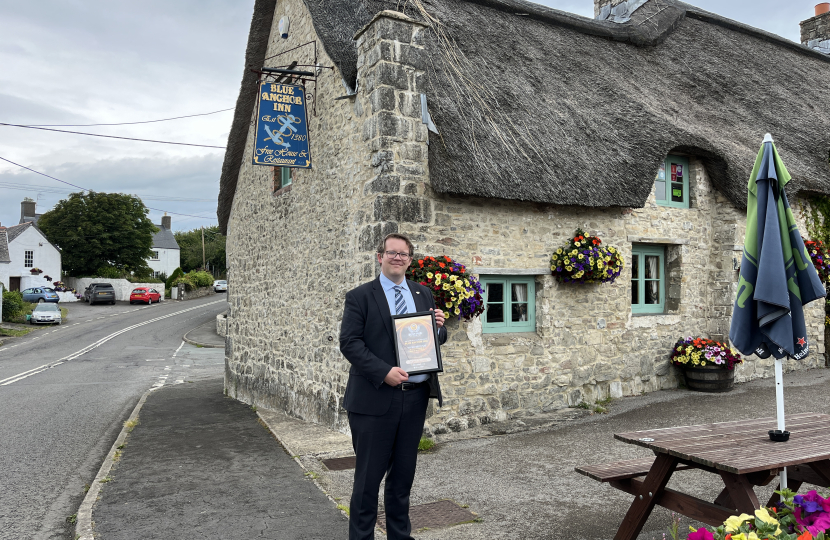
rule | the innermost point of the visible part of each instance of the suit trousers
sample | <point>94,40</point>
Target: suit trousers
<point>386,444</point>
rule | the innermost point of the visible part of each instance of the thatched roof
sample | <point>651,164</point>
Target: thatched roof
<point>550,107</point>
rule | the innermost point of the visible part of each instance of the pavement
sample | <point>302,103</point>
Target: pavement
<point>200,464</point>
<point>205,336</point>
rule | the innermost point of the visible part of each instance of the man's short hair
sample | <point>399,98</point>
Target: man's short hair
<point>399,236</point>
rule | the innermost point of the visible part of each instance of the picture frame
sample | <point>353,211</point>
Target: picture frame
<point>416,343</point>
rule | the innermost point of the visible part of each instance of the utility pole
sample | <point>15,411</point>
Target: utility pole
<point>203,246</point>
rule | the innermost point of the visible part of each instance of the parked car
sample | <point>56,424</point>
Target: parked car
<point>145,294</point>
<point>46,314</point>
<point>99,293</point>
<point>40,294</point>
<point>220,285</point>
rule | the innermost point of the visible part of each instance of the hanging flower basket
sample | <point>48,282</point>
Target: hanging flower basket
<point>585,260</point>
<point>455,291</point>
<point>819,257</point>
<point>35,271</point>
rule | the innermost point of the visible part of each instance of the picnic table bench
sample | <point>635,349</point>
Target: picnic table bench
<point>741,453</point>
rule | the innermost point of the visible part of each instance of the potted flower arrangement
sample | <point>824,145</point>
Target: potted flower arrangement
<point>456,292</point>
<point>35,271</point>
<point>585,260</point>
<point>796,517</point>
<point>708,365</point>
<point>819,256</point>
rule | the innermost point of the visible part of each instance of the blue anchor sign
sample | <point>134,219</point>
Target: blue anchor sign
<point>282,127</point>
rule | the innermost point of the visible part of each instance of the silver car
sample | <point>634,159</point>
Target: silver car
<point>220,285</point>
<point>46,314</point>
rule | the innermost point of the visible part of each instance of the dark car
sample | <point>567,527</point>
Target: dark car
<point>39,294</point>
<point>100,293</point>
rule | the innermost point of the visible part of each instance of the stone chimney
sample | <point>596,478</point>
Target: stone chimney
<point>602,8</point>
<point>27,209</point>
<point>166,221</point>
<point>815,31</point>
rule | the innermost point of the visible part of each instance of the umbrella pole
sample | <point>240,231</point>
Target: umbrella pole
<point>779,402</point>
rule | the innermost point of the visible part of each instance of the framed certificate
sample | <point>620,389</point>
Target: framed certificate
<point>416,342</point>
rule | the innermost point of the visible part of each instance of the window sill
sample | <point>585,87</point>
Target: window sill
<point>657,240</point>
<point>481,270</point>
<point>283,190</point>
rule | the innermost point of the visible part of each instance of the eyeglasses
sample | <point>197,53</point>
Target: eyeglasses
<point>395,255</point>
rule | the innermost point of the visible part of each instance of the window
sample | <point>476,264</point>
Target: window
<point>671,187</point>
<point>154,255</point>
<point>648,281</point>
<point>29,259</point>
<point>282,177</point>
<point>509,304</point>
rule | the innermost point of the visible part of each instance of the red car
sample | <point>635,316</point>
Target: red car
<point>144,294</point>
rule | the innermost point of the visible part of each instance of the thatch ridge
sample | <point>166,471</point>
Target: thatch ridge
<point>258,36</point>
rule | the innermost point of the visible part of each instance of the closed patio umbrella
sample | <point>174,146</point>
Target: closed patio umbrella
<point>777,275</point>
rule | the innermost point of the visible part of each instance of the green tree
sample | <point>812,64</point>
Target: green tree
<point>190,244</point>
<point>100,230</point>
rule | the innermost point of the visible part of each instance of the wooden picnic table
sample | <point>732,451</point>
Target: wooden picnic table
<point>741,453</point>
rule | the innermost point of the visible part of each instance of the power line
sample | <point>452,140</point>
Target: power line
<point>48,189</point>
<point>128,123</point>
<point>111,136</point>
<point>86,189</point>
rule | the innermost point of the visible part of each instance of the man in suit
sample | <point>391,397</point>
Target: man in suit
<point>387,407</point>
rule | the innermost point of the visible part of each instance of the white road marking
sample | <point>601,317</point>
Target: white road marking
<point>177,350</point>
<point>73,356</point>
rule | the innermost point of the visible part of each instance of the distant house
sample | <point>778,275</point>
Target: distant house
<point>166,253</point>
<point>488,131</point>
<point>28,211</point>
<point>23,248</point>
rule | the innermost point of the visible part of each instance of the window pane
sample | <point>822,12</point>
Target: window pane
<point>495,313</point>
<point>652,292</point>
<point>635,266</point>
<point>660,191</point>
<point>676,192</point>
<point>519,312</point>
<point>635,292</point>
<point>652,267</point>
<point>519,292</point>
<point>495,292</point>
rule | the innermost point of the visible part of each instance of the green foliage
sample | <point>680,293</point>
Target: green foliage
<point>190,246</point>
<point>425,444</point>
<point>194,279</point>
<point>177,273</point>
<point>817,217</point>
<point>13,305</point>
<point>100,230</point>
<point>109,272</point>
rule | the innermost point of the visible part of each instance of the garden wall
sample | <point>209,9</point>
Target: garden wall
<point>197,293</point>
<point>122,287</point>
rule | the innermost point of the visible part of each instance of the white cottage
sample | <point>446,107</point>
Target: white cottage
<point>26,249</point>
<point>166,255</point>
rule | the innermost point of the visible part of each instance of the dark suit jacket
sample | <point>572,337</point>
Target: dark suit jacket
<point>367,342</point>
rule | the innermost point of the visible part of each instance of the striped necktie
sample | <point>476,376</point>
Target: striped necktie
<point>400,304</point>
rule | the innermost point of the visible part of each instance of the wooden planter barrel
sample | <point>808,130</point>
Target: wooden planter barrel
<point>706,379</point>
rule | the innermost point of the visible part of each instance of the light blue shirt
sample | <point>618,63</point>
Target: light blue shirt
<point>389,290</point>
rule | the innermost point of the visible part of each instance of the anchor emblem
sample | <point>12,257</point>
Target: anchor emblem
<point>276,135</point>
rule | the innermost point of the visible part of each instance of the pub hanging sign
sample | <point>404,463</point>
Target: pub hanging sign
<point>281,127</point>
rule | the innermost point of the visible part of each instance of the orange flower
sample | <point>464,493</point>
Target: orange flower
<point>805,536</point>
<point>442,265</point>
<point>728,537</point>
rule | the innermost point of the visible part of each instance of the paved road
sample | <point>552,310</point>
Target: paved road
<point>65,391</point>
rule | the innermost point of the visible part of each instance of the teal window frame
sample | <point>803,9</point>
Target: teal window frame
<point>641,251</point>
<point>508,325</point>
<point>663,187</point>
<point>282,177</point>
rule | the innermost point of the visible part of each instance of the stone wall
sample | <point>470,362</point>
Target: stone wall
<point>301,249</point>
<point>199,292</point>
<point>222,324</point>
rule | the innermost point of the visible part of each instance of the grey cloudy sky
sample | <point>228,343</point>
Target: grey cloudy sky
<point>91,61</point>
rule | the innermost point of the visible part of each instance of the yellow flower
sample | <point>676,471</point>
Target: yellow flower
<point>559,251</point>
<point>446,286</point>
<point>429,275</point>
<point>607,259</point>
<point>765,516</point>
<point>466,283</point>
<point>457,311</point>
<point>581,256</point>
<point>449,305</point>
<point>569,268</point>
<point>734,522</point>
<point>577,244</point>
<point>453,278</point>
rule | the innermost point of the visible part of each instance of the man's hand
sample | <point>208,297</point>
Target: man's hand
<point>396,376</point>
<point>439,317</point>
